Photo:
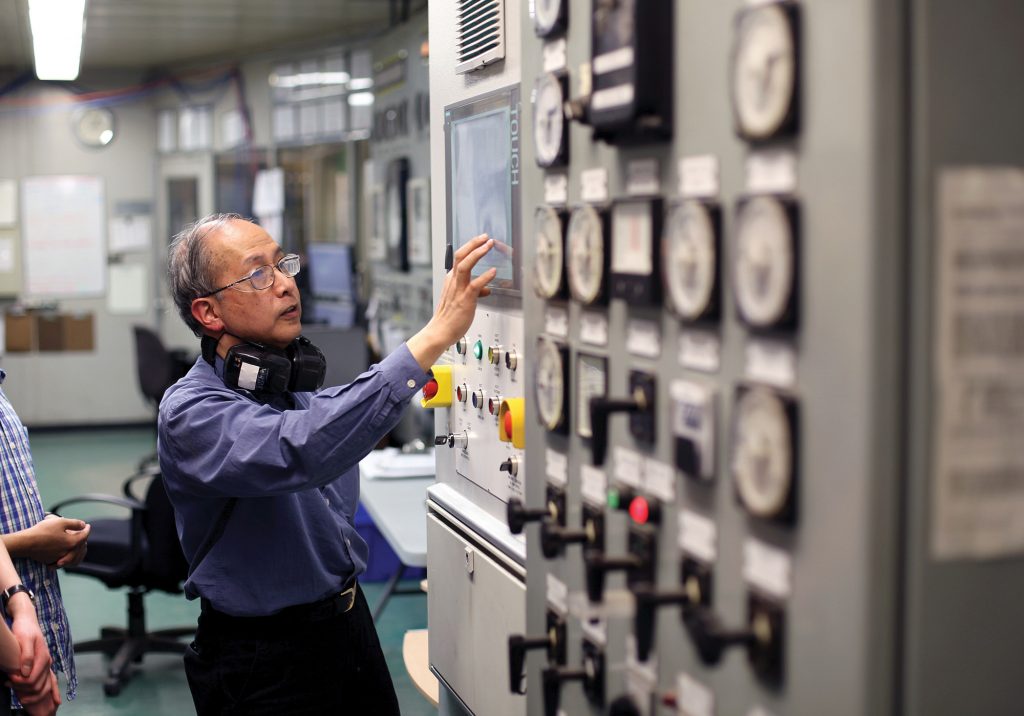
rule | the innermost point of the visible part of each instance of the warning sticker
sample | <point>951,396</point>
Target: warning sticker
<point>978,441</point>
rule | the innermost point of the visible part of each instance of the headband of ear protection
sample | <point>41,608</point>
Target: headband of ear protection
<point>300,367</point>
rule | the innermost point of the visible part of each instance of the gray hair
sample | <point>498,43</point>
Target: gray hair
<point>190,265</point>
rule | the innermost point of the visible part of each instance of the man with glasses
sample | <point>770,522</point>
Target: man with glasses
<point>265,483</point>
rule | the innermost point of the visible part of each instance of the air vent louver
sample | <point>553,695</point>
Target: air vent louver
<point>480,31</point>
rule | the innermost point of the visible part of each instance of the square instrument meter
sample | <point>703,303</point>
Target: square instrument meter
<point>591,382</point>
<point>636,236</point>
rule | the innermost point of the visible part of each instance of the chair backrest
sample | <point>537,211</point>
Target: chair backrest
<point>156,366</point>
<point>163,562</point>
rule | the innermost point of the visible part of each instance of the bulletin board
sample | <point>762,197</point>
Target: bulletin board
<point>63,236</point>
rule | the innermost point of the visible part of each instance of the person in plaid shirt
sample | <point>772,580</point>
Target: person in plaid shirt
<point>39,544</point>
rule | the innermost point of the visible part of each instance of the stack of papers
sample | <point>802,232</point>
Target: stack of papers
<point>392,463</point>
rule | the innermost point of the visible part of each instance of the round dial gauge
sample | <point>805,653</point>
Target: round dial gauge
<point>764,71</point>
<point>549,126</point>
<point>765,268</point>
<point>689,251</point>
<point>549,17</point>
<point>586,261</point>
<point>94,126</point>
<point>549,262</point>
<point>762,453</point>
<point>550,384</point>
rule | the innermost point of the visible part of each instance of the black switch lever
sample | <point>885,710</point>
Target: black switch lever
<point>517,515</point>
<point>554,677</point>
<point>600,410</point>
<point>597,565</point>
<point>554,538</point>
<point>517,647</point>
<point>694,592</point>
<point>762,638</point>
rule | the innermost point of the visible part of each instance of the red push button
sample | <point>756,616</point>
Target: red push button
<point>640,510</point>
<point>430,389</point>
<point>507,425</point>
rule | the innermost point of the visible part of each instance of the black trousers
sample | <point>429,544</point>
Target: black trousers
<point>321,662</point>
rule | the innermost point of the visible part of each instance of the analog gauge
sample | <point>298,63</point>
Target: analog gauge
<point>591,382</point>
<point>550,17</point>
<point>94,126</point>
<point>635,224</point>
<point>550,128</point>
<point>763,452</point>
<point>765,271</point>
<point>549,262</point>
<point>588,259</point>
<point>550,383</point>
<point>765,71</point>
<point>689,248</point>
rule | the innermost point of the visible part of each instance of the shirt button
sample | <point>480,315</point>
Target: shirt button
<point>348,542</point>
<point>411,383</point>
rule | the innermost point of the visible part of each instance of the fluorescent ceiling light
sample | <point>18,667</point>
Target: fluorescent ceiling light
<point>360,83</point>
<point>309,79</point>
<point>360,99</point>
<point>57,27</point>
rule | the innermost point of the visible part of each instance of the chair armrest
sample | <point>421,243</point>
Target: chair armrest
<point>130,503</point>
<point>128,485</point>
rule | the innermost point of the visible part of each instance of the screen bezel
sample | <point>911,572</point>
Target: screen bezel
<point>497,99</point>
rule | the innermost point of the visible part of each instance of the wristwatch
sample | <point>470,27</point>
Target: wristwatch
<point>5,596</point>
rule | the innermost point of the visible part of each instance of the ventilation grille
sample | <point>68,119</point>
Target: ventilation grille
<point>481,34</point>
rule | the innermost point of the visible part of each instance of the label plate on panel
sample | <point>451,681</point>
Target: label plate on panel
<point>594,485</point>
<point>698,536</point>
<point>767,568</point>
<point>557,468</point>
<point>643,338</point>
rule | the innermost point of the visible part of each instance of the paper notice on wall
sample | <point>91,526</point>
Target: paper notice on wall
<point>128,289</point>
<point>978,440</point>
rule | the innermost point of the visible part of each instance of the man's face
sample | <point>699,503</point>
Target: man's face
<point>270,316</point>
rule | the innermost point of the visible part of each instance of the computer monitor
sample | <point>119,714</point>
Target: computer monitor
<point>330,270</point>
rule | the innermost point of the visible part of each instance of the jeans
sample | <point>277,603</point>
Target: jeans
<point>324,664</point>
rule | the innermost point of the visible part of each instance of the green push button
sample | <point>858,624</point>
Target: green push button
<point>614,499</point>
<point>478,350</point>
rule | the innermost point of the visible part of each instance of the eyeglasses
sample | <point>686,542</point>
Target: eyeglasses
<point>263,277</point>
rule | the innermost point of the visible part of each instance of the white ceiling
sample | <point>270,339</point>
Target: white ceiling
<point>143,34</point>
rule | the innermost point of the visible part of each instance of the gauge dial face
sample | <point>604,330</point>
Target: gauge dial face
<point>94,126</point>
<point>764,71</point>
<point>549,262</point>
<point>549,17</point>
<point>586,264</point>
<point>591,382</point>
<point>549,135</point>
<point>765,268</point>
<point>762,454</point>
<point>690,257</point>
<point>550,384</point>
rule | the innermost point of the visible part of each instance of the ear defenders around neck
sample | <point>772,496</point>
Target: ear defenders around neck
<point>267,371</point>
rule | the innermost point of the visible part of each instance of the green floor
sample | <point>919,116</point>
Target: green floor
<point>72,463</point>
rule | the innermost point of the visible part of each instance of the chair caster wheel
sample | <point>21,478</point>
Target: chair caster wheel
<point>112,688</point>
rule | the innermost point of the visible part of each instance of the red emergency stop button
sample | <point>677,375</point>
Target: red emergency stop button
<point>506,425</point>
<point>430,389</point>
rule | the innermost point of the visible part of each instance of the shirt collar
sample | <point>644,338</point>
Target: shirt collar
<point>3,376</point>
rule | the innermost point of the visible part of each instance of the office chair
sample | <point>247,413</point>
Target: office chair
<point>158,369</point>
<point>140,552</point>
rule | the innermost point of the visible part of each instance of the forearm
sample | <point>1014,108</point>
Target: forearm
<point>18,544</point>
<point>427,346</point>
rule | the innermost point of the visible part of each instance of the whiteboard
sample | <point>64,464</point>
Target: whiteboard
<point>63,236</point>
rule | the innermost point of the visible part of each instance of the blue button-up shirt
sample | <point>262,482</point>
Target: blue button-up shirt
<point>21,509</point>
<point>290,537</point>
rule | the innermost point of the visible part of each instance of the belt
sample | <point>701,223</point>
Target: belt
<point>331,606</point>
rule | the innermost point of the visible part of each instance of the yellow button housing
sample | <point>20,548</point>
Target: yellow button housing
<point>442,398</point>
<point>515,408</point>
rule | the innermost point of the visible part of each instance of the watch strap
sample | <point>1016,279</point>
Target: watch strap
<point>5,596</point>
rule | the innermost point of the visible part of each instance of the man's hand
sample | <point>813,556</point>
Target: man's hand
<point>56,541</point>
<point>33,683</point>
<point>45,706</point>
<point>457,304</point>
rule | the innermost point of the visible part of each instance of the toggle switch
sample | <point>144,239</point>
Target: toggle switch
<point>460,440</point>
<point>511,466</point>
<point>695,591</point>
<point>640,405</point>
<point>511,422</point>
<point>763,638</point>
<point>553,642</point>
<point>518,515</point>
<point>591,674</point>
<point>638,563</point>
<point>437,392</point>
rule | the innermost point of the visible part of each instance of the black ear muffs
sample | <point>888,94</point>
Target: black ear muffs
<point>268,371</point>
